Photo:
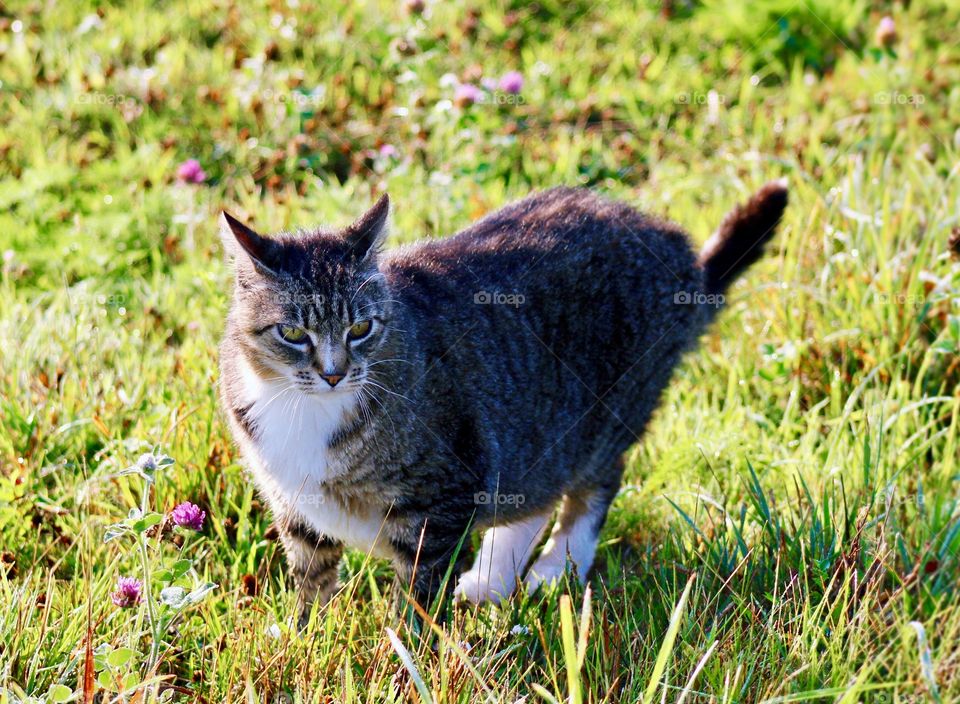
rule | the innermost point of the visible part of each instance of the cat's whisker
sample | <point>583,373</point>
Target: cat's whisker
<point>383,407</point>
<point>378,303</point>
<point>260,408</point>
<point>369,416</point>
<point>297,409</point>
<point>377,385</point>
<point>360,287</point>
<point>384,361</point>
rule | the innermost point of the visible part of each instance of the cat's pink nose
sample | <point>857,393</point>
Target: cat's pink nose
<point>332,379</point>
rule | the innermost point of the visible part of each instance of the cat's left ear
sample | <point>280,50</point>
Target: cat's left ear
<point>367,234</point>
<point>237,238</point>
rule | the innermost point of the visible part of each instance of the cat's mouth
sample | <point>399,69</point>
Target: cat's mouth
<point>318,385</point>
<point>324,391</point>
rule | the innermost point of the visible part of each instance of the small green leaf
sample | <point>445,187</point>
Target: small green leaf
<point>100,656</point>
<point>131,681</point>
<point>200,593</point>
<point>59,693</point>
<point>120,657</point>
<point>174,597</point>
<point>181,567</point>
<point>105,680</point>
<point>164,576</point>
<point>115,531</point>
<point>147,522</point>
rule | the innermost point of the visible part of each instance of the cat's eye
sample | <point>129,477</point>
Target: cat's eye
<point>359,330</point>
<point>291,334</point>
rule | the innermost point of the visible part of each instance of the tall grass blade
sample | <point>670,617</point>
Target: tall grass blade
<point>410,667</point>
<point>667,646</point>
<point>570,656</point>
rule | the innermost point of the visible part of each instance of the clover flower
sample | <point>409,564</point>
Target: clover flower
<point>511,82</point>
<point>128,592</point>
<point>466,95</point>
<point>886,34</point>
<point>188,515</point>
<point>190,171</point>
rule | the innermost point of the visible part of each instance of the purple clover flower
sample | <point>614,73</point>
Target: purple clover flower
<point>128,592</point>
<point>466,95</point>
<point>886,34</point>
<point>190,171</point>
<point>511,82</point>
<point>188,515</point>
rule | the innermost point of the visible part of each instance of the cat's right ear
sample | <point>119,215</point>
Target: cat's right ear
<point>243,243</point>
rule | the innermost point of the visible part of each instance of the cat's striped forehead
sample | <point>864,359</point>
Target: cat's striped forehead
<point>318,295</point>
<point>316,279</point>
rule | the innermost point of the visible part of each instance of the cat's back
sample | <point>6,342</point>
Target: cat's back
<point>558,232</point>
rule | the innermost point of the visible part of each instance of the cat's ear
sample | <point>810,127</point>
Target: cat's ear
<point>367,234</point>
<point>238,239</point>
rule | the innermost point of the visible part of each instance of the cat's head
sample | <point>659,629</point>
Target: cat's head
<point>311,310</point>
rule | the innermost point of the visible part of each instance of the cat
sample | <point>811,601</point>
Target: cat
<point>396,401</point>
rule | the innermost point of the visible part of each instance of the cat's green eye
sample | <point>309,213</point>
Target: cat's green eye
<point>291,334</point>
<point>359,330</point>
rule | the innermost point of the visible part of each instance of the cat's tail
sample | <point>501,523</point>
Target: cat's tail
<point>740,239</point>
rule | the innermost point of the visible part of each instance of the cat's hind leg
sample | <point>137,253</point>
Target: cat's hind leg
<point>504,552</point>
<point>574,538</point>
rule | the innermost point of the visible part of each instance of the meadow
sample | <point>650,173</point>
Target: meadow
<point>789,527</point>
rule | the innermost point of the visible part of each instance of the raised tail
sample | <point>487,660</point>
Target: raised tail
<point>740,239</point>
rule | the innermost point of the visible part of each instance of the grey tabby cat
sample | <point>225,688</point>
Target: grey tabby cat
<point>394,402</point>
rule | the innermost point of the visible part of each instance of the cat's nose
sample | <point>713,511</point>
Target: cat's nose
<point>332,379</point>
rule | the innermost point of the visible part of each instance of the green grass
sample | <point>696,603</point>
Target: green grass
<point>797,494</point>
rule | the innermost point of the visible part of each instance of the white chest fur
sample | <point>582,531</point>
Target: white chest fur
<point>290,459</point>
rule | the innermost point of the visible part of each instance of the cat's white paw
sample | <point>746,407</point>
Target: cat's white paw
<point>504,551</point>
<point>478,588</point>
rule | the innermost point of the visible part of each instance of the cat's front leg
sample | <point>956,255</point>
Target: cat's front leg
<point>314,561</point>
<point>424,560</point>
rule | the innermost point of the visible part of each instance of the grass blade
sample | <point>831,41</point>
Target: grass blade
<point>570,650</point>
<point>696,671</point>
<point>411,667</point>
<point>926,661</point>
<point>584,628</point>
<point>667,646</point>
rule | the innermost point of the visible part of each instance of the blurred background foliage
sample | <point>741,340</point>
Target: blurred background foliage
<point>804,464</point>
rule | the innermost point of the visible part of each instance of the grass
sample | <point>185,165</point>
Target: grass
<point>789,526</point>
